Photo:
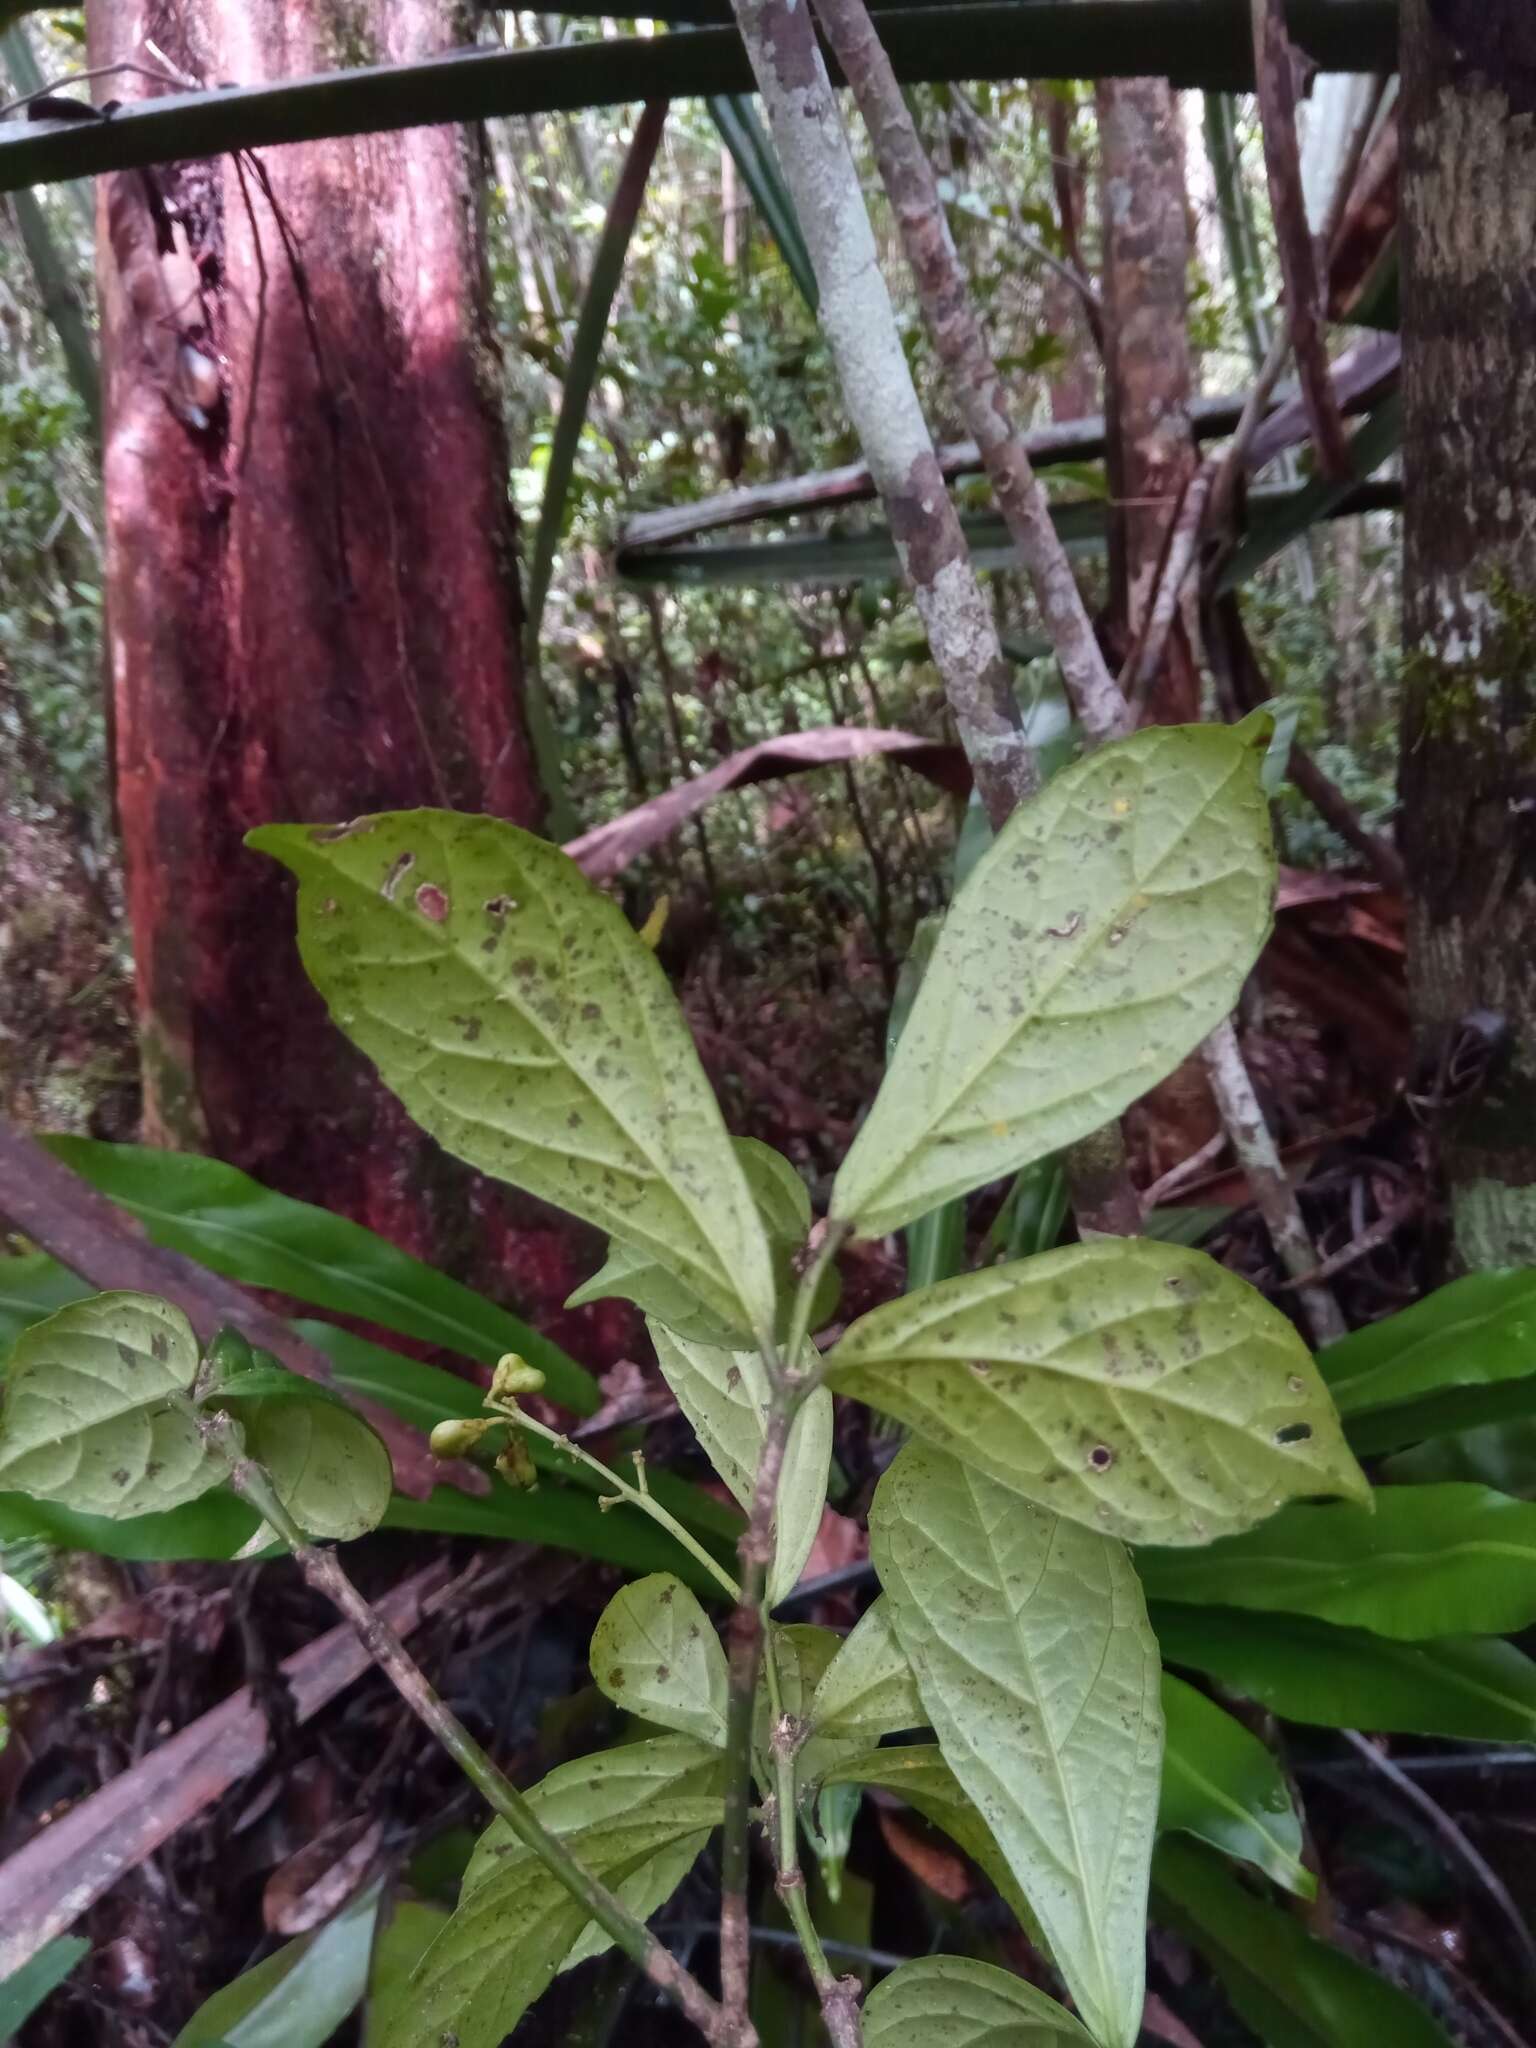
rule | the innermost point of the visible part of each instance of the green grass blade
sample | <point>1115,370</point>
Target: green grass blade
<point>742,133</point>
<point>591,330</point>
<point>230,1223</point>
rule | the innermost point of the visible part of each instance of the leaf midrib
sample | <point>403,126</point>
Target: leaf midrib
<point>1026,1658</point>
<point>713,1267</point>
<point>1072,957</point>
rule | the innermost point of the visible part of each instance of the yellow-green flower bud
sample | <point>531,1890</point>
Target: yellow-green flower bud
<point>513,1376</point>
<point>452,1439</point>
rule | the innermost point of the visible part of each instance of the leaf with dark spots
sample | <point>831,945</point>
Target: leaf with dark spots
<point>493,1060</point>
<point>95,1415</point>
<point>654,1646</point>
<point>636,1817</point>
<point>1038,1672</point>
<point>725,1395</point>
<point>1214,1417</point>
<point>976,1090</point>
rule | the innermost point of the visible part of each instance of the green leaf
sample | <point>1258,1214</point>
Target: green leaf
<point>298,1997</point>
<point>580,374</point>
<point>32,1287</point>
<point>742,133</point>
<point>1346,1678</point>
<point>783,1203</point>
<point>96,1415</point>
<point>397,1949</point>
<point>232,1225</point>
<point>1373,443</point>
<point>803,1653</point>
<point>586,351</point>
<point>1430,1561</point>
<point>1101,1381</point>
<point>331,1472</point>
<point>655,1653</point>
<point>1183,1226</point>
<point>868,1688</point>
<point>1499,1454</point>
<point>1221,1784</point>
<point>1464,1355</point>
<point>1029,1641</point>
<point>917,1773</point>
<point>631,1816</point>
<point>556,1516</point>
<point>25,1989</point>
<point>215,1525</point>
<point>953,2002</point>
<point>527,1029</point>
<point>725,1396</point>
<point>1293,1990</point>
<point>1105,931</point>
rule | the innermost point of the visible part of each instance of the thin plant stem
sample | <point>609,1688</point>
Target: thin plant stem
<point>790,1387</point>
<point>839,1996</point>
<point>1102,1194</point>
<point>860,327</point>
<point>322,1570</point>
<point>637,1496</point>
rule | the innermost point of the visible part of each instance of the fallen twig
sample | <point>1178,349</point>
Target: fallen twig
<point>68,1865</point>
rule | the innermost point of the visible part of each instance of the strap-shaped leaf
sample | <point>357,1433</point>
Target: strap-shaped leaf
<point>655,1654</point>
<point>1476,1689</point>
<point>955,2002</point>
<point>1293,1990</point>
<point>724,1394</point>
<point>233,1225</point>
<point>1428,1561</point>
<point>1029,1640</point>
<point>1104,932</point>
<point>300,1994</point>
<point>630,1816</point>
<point>1222,1785</point>
<point>1138,1387</point>
<point>527,1028</point>
<point>96,1415</point>
<point>784,1204</point>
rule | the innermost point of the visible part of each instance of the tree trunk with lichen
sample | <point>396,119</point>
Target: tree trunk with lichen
<point>1468,770</point>
<point>312,588</point>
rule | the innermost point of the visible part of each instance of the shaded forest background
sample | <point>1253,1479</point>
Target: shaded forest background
<point>628,634</point>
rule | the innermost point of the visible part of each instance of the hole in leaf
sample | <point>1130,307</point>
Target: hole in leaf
<point>1293,1433</point>
<point>1101,1457</point>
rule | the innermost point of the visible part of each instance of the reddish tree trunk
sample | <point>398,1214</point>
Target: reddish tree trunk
<point>1148,386</point>
<point>312,591</point>
<point>1075,380</point>
<point>1148,378</point>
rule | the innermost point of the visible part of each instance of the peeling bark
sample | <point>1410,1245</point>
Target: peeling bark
<point>1468,767</point>
<point>312,592</point>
